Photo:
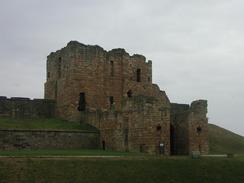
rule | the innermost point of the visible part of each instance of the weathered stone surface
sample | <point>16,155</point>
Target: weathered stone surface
<point>114,92</point>
<point>43,139</point>
<point>189,128</point>
<point>24,107</point>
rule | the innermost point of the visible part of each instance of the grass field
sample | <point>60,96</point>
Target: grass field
<point>149,170</point>
<point>224,141</point>
<point>67,152</point>
<point>45,124</point>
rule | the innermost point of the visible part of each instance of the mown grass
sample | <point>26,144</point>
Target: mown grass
<point>43,124</point>
<point>224,141</point>
<point>66,152</point>
<point>179,170</point>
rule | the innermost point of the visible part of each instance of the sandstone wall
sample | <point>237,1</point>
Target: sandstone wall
<point>119,98</point>
<point>98,73</point>
<point>198,127</point>
<point>189,128</point>
<point>140,126</point>
<point>24,107</point>
<point>43,139</point>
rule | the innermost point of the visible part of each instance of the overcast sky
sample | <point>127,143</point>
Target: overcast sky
<point>197,46</point>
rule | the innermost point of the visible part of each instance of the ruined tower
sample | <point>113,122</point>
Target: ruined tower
<point>113,91</point>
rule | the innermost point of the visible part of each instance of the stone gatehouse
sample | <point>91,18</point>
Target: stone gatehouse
<point>113,91</point>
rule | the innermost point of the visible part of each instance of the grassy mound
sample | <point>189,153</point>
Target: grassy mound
<point>224,141</point>
<point>43,124</point>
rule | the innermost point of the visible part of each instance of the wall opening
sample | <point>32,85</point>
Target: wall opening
<point>103,145</point>
<point>142,148</point>
<point>82,102</point>
<point>111,101</point>
<point>59,67</point>
<point>199,130</point>
<point>56,90</point>
<point>126,139</point>
<point>159,128</point>
<point>111,68</point>
<point>172,140</point>
<point>129,94</point>
<point>138,75</point>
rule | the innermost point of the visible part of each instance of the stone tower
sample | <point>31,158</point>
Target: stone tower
<point>113,91</point>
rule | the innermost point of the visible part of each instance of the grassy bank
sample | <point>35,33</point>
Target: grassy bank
<point>224,141</point>
<point>43,124</point>
<point>182,170</point>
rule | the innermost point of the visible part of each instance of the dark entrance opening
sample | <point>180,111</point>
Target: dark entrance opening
<point>172,140</point>
<point>126,139</point>
<point>111,101</point>
<point>103,145</point>
<point>82,102</point>
<point>129,94</point>
<point>138,75</point>
<point>142,148</point>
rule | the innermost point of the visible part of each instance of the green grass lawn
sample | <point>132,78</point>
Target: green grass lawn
<point>169,170</point>
<point>67,152</point>
<point>47,124</point>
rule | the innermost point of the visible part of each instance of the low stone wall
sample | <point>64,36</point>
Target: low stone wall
<point>18,107</point>
<point>47,139</point>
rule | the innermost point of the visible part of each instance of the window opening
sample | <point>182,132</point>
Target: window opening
<point>138,75</point>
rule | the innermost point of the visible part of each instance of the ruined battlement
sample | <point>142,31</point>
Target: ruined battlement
<point>19,107</point>
<point>113,73</point>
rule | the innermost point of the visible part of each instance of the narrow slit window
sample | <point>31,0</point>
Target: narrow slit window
<point>82,102</point>
<point>129,94</point>
<point>138,75</point>
<point>111,68</point>
<point>59,67</point>
<point>111,101</point>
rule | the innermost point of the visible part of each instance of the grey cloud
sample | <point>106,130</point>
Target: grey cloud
<point>196,46</point>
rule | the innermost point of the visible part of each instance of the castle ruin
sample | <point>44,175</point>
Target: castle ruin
<point>113,91</point>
